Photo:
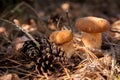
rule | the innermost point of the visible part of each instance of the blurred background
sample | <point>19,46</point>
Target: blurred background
<point>108,9</point>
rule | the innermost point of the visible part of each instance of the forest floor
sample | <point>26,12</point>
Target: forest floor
<point>41,19</point>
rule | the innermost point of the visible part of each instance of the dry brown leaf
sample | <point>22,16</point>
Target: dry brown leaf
<point>115,27</point>
<point>2,29</point>
<point>9,77</point>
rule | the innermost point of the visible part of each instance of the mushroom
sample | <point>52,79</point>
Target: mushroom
<point>61,37</point>
<point>91,28</point>
<point>64,39</point>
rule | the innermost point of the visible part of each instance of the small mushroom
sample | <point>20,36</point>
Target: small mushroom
<point>64,40</point>
<point>91,28</point>
<point>61,37</point>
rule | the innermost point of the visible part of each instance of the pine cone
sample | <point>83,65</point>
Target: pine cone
<point>48,57</point>
<point>30,50</point>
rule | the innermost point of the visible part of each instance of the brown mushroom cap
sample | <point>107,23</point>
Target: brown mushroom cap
<point>61,37</point>
<point>92,24</point>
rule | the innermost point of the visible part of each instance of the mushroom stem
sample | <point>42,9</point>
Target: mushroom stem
<point>92,40</point>
<point>68,48</point>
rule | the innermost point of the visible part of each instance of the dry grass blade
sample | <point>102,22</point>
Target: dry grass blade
<point>66,71</point>
<point>5,36</point>
<point>113,44</point>
<point>113,59</point>
<point>14,61</point>
<point>23,70</point>
<point>101,77</point>
<point>58,23</point>
<point>115,31</point>
<point>88,52</point>
<point>23,3</point>
<point>91,55</point>
<point>83,63</point>
<point>68,18</point>
<point>9,67</point>
<point>29,35</point>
